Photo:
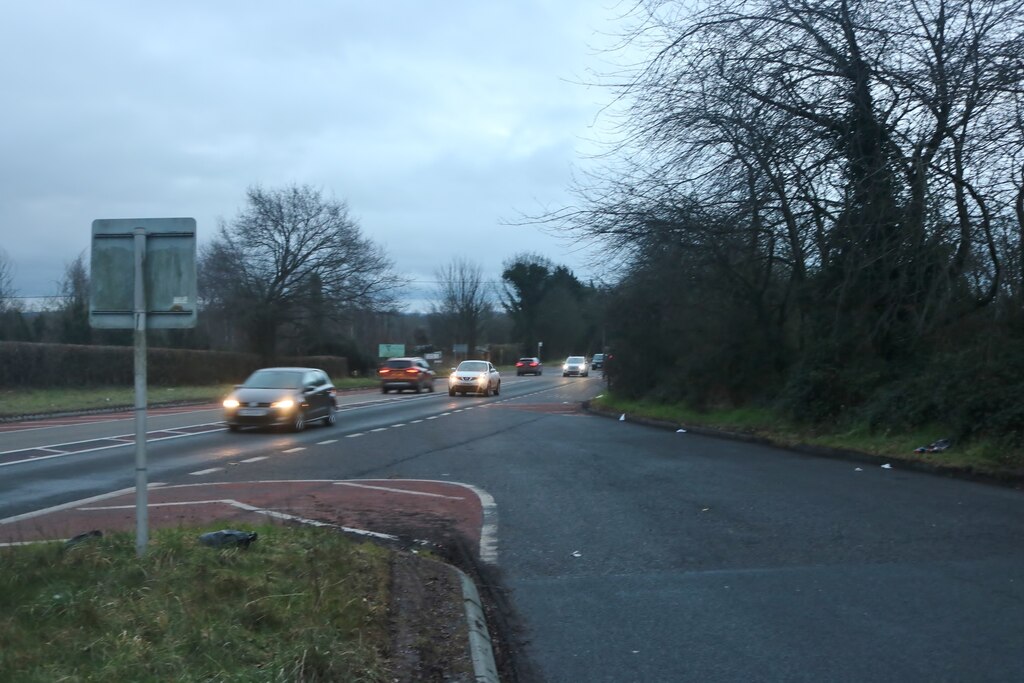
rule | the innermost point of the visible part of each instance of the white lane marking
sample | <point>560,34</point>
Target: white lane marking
<point>416,422</point>
<point>433,417</point>
<point>400,424</point>
<point>260,511</point>
<point>444,414</point>
<point>74,503</point>
<point>256,459</point>
<point>324,443</point>
<point>379,429</point>
<point>294,450</point>
<point>458,410</point>
<point>394,490</point>
<point>352,436</point>
<point>125,441</point>
<point>211,470</point>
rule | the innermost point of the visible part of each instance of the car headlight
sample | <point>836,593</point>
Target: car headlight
<point>230,403</point>
<point>283,404</point>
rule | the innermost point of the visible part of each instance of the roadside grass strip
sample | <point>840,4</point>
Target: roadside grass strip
<point>301,603</point>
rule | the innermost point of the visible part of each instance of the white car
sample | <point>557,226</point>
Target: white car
<point>474,377</point>
<point>575,365</point>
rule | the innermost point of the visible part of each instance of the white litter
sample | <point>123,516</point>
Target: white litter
<point>577,553</point>
<point>857,469</point>
<point>680,431</point>
<point>886,466</point>
<point>622,417</point>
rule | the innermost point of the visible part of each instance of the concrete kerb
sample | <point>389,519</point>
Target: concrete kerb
<point>1013,480</point>
<point>480,649</point>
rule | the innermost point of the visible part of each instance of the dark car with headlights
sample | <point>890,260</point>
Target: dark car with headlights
<point>285,397</point>
<point>529,366</point>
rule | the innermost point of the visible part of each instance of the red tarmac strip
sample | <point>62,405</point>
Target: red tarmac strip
<point>409,509</point>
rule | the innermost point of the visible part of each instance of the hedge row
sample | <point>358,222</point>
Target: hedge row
<point>42,366</point>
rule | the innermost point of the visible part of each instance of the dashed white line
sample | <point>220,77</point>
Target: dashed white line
<point>324,443</point>
<point>294,450</point>
<point>256,459</point>
<point>200,473</point>
<point>444,414</point>
<point>352,436</point>
<point>416,422</point>
<point>433,417</point>
<point>379,429</point>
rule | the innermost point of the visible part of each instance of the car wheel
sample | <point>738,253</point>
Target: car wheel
<point>419,388</point>
<point>431,386</point>
<point>497,388</point>
<point>451,392</point>
<point>232,428</point>
<point>299,421</point>
<point>565,374</point>
<point>331,418</point>
<point>462,393</point>
<point>383,390</point>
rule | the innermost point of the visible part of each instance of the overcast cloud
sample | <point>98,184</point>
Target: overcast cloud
<point>437,122</point>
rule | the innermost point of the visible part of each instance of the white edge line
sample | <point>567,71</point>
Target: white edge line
<point>74,503</point>
<point>100,448</point>
<point>211,470</point>
<point>394,490</point>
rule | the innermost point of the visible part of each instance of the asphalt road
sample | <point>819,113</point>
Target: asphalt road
<point>630,553</point>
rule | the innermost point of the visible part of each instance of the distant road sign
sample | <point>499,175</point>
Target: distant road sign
<point>460,348</point>
<point>390,350</point>
<point>435,355</point>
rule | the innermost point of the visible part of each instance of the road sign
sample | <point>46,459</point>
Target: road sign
<point>169,272</point>
<point>390,350</point>
<point>143,275</point>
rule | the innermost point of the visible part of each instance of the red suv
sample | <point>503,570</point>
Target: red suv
<point>406,373</point>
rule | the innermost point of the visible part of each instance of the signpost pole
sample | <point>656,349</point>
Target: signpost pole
<point>141,490</point>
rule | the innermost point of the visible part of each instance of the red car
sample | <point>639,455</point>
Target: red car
<point>406,373</point>
<point>529,366</point>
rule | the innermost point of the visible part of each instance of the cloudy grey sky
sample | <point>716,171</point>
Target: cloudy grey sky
<point>438,122</point>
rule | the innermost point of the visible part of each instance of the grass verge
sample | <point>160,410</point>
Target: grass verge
<point>34,401</point>
<point>300,604</point>
<point>981,455</point>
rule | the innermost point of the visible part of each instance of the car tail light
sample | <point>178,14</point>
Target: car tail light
<point>533,365</point>
<point>384,371</point>
<point>519,365</point>
<point>411,371</point>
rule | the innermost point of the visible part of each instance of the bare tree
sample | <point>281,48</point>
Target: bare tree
<point>73,308</point>
<point>463,303</point>
<point>290,254</point>
<point>7,291</point>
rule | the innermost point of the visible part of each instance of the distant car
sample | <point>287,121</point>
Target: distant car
<point>289,397</point>
<point>597,361</point>
<point>474,377</point>
<point>406,373</point>
<point>575,365</point>
<point>529,366</point>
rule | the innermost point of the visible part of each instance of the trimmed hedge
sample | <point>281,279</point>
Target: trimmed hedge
<point>42,366</point>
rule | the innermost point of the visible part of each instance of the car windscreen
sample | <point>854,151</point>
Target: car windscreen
<point>575,359</point>
<point>399,364</point>
<point>472,366</point>
<point>273,379</point>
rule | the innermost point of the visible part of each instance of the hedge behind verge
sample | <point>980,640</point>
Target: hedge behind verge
<point>44,366</point>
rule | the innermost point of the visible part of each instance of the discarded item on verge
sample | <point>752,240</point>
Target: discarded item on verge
<point>577,553</point>
<point>857,469</point>
<point>622,417</point>
<point>680,431</point>
<point>81,538</point>
<point>886,466</point>
<point>228,537</point>
<point>934,447</point>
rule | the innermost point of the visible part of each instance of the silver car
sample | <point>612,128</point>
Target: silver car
<point>474,377</point>
<point>575,365</point>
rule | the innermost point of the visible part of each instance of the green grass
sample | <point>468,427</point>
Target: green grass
<point>33,401</point>
<point>981,455</point>
<point>300,604</point>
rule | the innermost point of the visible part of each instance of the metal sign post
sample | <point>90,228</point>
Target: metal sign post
<point>159,261</point>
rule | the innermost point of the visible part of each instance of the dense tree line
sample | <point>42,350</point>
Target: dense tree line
<point>817,203</point>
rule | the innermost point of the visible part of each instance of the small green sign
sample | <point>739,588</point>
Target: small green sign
<point>390,350</point>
